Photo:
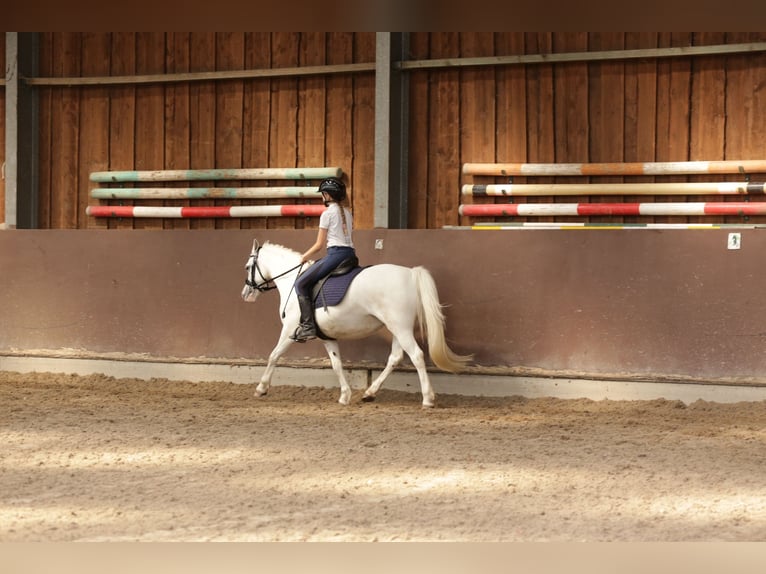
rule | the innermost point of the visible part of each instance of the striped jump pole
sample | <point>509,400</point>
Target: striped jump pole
<point>616,169</point>
<point>555,189</point>
<point>603,226</point>
<point>229,211</point>
<point>215,174</point>
<point>591,209</point>
<point>204,192</point>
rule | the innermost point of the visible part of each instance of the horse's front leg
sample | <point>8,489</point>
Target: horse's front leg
<point>333,350</point>
<point>282,345</point>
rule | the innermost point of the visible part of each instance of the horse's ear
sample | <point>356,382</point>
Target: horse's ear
<point>255,245</point>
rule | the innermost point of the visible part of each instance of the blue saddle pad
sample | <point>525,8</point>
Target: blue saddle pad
<point>330,291</point>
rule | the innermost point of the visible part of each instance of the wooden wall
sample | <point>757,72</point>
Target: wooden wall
<point>689,108</point>
<point>2,136</point>
<point>674,109</point>
<point>282,122</point>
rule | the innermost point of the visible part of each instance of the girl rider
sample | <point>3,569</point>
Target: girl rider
<point>335,228</point>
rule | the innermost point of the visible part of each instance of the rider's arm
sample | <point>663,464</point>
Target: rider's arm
<point>318,244</point>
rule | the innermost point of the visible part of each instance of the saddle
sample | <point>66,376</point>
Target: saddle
<point>330,290</point>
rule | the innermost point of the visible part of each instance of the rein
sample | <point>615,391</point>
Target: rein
<point>251,282</point>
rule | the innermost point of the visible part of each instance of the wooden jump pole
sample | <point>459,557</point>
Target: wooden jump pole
<point>553,189</point>
<point>616,169</point>
<point>138,211</point>
<point>590,209</point>
<point>205,193</point>
<point>583,225</point>
<point>215,174</point>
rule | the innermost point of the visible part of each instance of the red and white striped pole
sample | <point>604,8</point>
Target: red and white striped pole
<point>664,188</point>
<point>589,209</point>
<point>138,211</point>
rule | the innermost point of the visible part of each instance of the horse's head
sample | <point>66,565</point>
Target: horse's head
<point>255,282</point>
<point>267,265</point>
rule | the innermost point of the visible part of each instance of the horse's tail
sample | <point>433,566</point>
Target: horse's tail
<point>431,317</point>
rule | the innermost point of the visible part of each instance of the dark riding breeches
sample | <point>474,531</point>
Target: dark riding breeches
<point>319,270</point>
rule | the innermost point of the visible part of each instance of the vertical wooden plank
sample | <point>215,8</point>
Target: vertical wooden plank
<point>540,111</point>
<point>46,137</point>
<point>511,108</point>
<point>340,103</point>
<point>478,122</point>
<point>202,113</point>
<point>257,112</point>
<point>745,105</point>
<point>65,120</point>
<point>540,128</point>
<point>418,134</point>
<point>640,100</point>
<point>150,110</point>
<point>284,112</point>
<point>2,133</point>
<point>177,115</point>
<point>363,170</point>
<point>122,113</point>
<point>311,111</point>
<point>444,137</point>
<point>230,50</point>
<point>94,121</point>
<point>640,109</point>
<point>673,90</point>
<point>571,108</point>
<point>571,100</point>
<point>707,113</point>
<point>745,99</point>
<point>511,120</point>
<point>673,106</point>
<point>606,110</point>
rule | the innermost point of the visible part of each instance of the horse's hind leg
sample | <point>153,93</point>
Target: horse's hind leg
<point>393,359</point>
<point>333,350</point>
<point>411,347</point>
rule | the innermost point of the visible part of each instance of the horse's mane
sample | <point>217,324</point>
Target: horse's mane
<point>286,251</point>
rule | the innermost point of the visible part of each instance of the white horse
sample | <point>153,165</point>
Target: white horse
<point>382,295</point>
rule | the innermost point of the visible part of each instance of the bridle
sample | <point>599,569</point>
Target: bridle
<point>268,284</point>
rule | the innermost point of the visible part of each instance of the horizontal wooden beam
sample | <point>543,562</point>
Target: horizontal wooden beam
<point>529,59</point>
<point>204,76</point>
<point>368,67</point>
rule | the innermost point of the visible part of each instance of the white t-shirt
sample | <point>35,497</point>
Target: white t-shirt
<point>332,222</point>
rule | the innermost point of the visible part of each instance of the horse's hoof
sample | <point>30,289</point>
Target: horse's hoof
<point>260,394</point>
<point>427,407</point>
<point>368,399</point>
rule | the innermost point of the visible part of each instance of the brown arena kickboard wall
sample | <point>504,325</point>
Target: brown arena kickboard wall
<point>633,303</point>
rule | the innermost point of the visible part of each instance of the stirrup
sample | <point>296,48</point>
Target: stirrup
<point>304,333</point>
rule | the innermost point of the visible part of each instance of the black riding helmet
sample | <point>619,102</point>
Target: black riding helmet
<point>334,187</point>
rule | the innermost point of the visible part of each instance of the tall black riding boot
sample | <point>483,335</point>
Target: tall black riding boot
<point>307,328</point>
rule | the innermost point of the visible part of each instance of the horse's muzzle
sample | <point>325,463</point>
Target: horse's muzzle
<point>249,294</point>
